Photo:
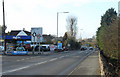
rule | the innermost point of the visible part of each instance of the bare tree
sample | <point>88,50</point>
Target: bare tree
<point>72,25</point>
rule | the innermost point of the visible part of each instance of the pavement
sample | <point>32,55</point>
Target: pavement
<point>90,66</point>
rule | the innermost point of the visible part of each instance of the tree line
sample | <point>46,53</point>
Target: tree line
<point>107,34</point>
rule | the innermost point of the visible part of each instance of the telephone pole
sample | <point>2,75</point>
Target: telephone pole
<point>3,19</point>
<point>4,27</point>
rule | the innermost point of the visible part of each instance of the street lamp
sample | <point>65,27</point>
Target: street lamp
<point>81,34</point>
<point>57,20</point>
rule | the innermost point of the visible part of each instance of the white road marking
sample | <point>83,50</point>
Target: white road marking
<point>61,57</point>
<point>21,68</point>
<point>27,58</point>
<point>9,71</point>
<point>31,57</point>
<point>53,59</point>
<point>41,63</point>
<point>18,60</point>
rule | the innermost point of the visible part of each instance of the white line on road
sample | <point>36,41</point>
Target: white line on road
<point>41,63</point>
<point>61,57</point>
<point>18,60</point>
<point>27,58</point>
<point>31,57</point>
<point>53,59</point>
<point>20,68</point>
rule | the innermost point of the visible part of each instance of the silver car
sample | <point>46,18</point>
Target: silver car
<point>1,48</point>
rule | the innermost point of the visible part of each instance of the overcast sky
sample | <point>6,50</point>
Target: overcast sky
<point>43,13</point>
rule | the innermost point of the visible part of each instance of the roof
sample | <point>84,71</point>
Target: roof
<point>22,33</point>
<point>15,32</point>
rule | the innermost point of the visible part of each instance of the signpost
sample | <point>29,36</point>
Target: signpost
<point>38,36</point>
<point>34,34</point>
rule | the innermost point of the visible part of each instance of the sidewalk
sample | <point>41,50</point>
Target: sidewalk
<point>89,66</point>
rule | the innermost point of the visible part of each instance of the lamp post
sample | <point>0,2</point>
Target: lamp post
<point>81,34</point>
<point>57,25</point>
<point>57,20</point>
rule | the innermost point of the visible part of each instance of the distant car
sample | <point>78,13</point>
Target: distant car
<point>45,48</point>
<point>91,48</point>
<point>1,48</point>
<point>83,48</point>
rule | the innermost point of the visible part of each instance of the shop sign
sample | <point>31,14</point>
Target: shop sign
<point>16,37</point>
<point>19,52</point>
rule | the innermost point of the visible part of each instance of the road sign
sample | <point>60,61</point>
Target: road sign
<point>38,36</point>
<point>34,34</point>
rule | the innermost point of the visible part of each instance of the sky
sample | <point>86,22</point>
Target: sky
<point>21,14</point>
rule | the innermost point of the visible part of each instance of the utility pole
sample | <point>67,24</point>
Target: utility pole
<point>3,19</point>
<point>4,27</point>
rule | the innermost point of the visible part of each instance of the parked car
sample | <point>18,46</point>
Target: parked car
<point>37,48</point>
<point>45,48</point>
<point>1,48</point>
<point>83,48</point>
<point>91,48</point>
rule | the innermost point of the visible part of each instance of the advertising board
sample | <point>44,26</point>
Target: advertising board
<point>59,45</point>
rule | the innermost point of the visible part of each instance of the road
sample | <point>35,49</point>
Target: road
<point>61,63</point>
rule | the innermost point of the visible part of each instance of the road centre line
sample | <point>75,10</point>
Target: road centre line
<point>53,59</point>
<point>17,69</point>
<point>61,56</point>
<point>41,63</point>
<point>27,58</point>
<point>18,60</point>
<point>20,68</point>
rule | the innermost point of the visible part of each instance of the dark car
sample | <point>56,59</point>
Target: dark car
<point>45,48</point>
<point>83,48</point>
<point>91,48</point>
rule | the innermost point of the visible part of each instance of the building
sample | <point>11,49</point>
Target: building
<point>47,38</point>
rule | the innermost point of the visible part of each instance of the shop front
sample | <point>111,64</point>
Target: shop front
<point>15,45</point>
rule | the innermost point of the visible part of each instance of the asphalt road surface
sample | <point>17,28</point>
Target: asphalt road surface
<point>61,63</point>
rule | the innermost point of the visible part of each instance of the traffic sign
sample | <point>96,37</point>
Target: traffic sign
<point>38,36</point>
<point>34,34</point>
